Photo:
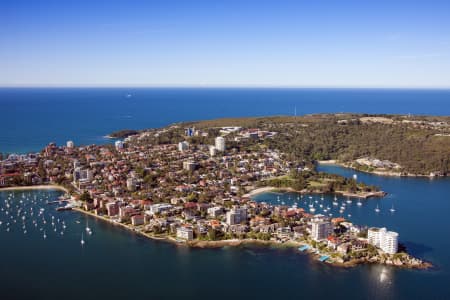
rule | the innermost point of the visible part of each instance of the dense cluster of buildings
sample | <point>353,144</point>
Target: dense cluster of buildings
<point>187,190</point>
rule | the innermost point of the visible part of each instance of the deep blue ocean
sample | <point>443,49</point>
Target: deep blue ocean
<point>117,264</point>
<point>30,118</point>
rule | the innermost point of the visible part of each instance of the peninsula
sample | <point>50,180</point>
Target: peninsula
<point>192,183</point>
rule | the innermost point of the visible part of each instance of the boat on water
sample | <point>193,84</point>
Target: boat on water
<point>63,208</point>
<point>82,239</point>
<point>377,209</point>
<point>87,226</point>
<point>392,208</point>
<point>335,202</point>
<point>359,203</point>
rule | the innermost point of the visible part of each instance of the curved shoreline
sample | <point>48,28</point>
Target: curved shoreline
<point>222,243</point>
<point>35,187</point>
<point>268,189</point>
<point>333,162</point>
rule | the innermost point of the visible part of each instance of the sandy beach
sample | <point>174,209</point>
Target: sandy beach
<point>35,187</point>
<point>267,189</point>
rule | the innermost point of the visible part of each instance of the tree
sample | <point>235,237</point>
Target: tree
<point>86,197</point>
<point>212,234</point>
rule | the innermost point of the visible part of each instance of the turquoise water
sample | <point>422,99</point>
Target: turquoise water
<point>117,264</point>
<point>31,118</point>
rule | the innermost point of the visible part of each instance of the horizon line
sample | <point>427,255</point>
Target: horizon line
<point>222,87</point>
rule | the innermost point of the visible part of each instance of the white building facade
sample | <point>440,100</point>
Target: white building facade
<point>236,216</point>
<point>321,229</point>
<point>183,146</point>
<point>185,233</point>
<point>220,144</point>
<point>383,239</point>
<point>119,145</point>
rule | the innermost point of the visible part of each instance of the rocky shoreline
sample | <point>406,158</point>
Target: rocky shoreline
<point>412,262</point>
<point>249,242</point>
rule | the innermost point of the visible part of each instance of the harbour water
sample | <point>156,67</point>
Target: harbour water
<point>33,117</point>
<point>116,264</point>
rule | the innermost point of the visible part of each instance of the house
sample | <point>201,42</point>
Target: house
<point>284,232</point>
<point>159,207</point>
<point>269,228</point>
<point>125,212</point>
<point>185,233</point>
<point>298,231</point>
<point>215,211</point>
<point>333,242</point>
<point>137,220</point>
<point>343,248</point>
<point>238,229</point>
<point>112,208</point>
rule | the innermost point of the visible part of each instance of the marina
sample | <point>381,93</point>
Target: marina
<point>164,256</point>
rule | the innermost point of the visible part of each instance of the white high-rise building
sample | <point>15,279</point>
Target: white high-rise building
<point>119,145</point>
<point>220,143</point>
<point>383,239</point>
<point>390,242</point>
<point>212,151</point>
<point>236,216</point>
<point>70,144</point>
<point>80,174</point>
<point>131,184</point>
<point>182,146</point>
<point>321,229</point>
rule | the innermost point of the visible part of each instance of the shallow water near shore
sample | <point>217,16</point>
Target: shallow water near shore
<point>115,263</point>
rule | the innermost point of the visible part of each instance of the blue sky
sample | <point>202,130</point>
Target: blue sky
<point>225,43</point>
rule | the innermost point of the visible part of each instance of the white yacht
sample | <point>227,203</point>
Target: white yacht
<point>392,208</point>
<point>335,203</point>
